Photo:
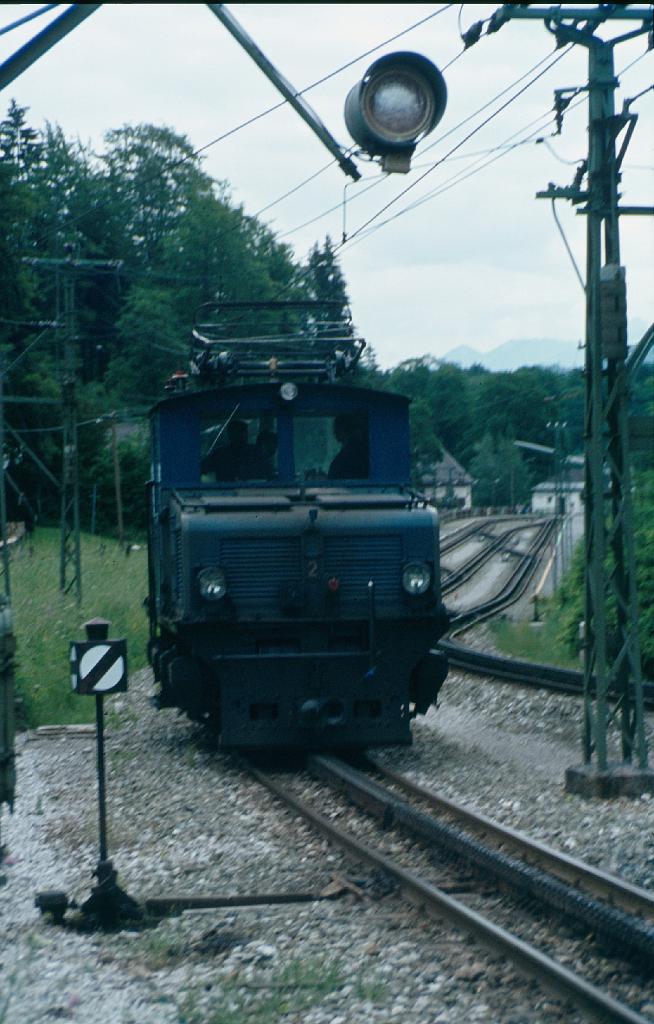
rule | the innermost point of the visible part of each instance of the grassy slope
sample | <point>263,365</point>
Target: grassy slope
<point>542,643</point>
<point>113,585</point>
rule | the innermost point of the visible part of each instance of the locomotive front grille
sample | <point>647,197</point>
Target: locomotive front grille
<point>257,567</point>
<point>178,577</point>
<point>356,560</point>
<point>259,570</point>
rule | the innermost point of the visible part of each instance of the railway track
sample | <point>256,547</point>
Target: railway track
<point>514,670</point>
<point>456,869</point>
<point>514,587</point>
<point>458,537</point>
<point>523,673</point>
<point>496,544</point>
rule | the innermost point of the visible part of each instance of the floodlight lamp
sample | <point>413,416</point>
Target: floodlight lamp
<point>399,100</point>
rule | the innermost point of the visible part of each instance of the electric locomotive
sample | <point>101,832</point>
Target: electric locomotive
<point>294,591</point>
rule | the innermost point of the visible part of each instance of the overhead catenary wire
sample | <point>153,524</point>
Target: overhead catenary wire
<point>351,240</point>
<point>498,95</point>
<point>172,164</point>
<point>458,145</point>
<point>445,186</point>
<point>501,151</point>
<point>356,194</point>
<point>296,188</point>
<point>26,18</point>
<point>378,180</point>
<point>29,347</point>
<point>567,247</point>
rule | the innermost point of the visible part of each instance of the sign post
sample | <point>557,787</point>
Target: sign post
<point>98,668</point>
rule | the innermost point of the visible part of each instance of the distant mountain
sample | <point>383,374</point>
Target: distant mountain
<point>524,352</point>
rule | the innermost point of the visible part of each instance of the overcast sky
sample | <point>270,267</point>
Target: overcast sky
<point>480,264</point>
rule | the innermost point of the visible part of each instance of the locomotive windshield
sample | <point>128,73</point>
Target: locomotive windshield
<point>278,448</point>
<point>239,449</point>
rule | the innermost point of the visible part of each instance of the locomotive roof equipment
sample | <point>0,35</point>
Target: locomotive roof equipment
<point>272,340</point>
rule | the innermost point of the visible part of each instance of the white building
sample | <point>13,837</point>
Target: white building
<point>543,497</point>
<point>447,484</point>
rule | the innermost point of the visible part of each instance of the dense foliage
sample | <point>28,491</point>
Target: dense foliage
<point>146,236</point>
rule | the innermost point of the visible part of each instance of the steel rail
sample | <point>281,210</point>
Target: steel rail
<point>521,672</point>
<point>615,890</point>
<point>455,539</point>
<point>428,898</point>
<point>512,590</point>
<point>456,577</point>
<point>629,935</point>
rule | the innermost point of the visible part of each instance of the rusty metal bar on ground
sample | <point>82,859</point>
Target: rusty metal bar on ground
<point>172,904</point>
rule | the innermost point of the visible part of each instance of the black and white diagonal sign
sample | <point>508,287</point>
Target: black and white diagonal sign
<point>99,667</point>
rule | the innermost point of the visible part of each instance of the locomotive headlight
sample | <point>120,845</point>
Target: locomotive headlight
<point>212,584</point>
<point>416,578</point>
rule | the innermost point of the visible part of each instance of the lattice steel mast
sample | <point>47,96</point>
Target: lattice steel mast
<point>612,662</point>
<point>70,558</point>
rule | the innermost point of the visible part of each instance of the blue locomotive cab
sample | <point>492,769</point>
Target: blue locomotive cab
<point>294,575</point>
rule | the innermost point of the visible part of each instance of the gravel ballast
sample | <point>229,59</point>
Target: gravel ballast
<point>186,819</point>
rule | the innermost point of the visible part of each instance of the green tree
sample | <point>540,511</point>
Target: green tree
<point>18,154</point>
<point>570,595</point>
<point>500,475</point>
<point>151,174</point>
<point>151,345</point>
<point>134,461</point>
<point>449,397</point>
<point>326,282</point>
<point>426,448</point>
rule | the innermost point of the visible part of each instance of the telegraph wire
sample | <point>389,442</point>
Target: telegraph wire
<point>264,113</point>
<point>474,131</point>
<point>500,151</point>
<point>445,135</point>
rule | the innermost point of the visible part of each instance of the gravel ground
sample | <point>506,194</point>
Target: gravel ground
<point>184,819</point>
